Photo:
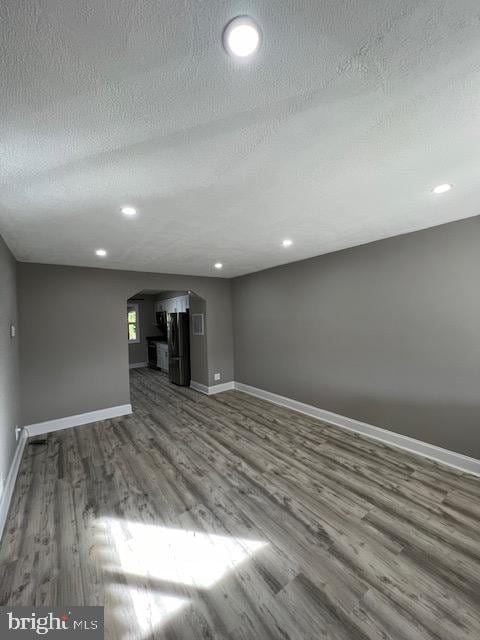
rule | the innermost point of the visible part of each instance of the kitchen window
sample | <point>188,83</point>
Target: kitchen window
<point>133,323</point>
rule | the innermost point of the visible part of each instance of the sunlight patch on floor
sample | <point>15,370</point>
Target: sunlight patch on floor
<point>192,558</point>
<point>133,613</point>
<point>155,562</point>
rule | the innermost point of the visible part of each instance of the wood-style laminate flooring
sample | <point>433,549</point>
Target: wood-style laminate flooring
<point>228,517</point>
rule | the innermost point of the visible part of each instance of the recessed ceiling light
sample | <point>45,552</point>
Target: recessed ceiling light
<point>442,188</point>
<point>287,243</point>
<point>218,265</point>
<point>241,37</point>
<point>101,253</point>
<point>129,211</point>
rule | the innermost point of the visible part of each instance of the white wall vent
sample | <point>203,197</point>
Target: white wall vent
<point>198,324</point>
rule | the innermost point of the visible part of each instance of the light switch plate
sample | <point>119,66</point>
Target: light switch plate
<point>13,331</point>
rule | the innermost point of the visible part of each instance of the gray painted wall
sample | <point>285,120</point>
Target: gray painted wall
<point>137,352</point>
<point>74,355</point>
<point>198,344</point>
<point>9,385</point>
<point>387,333</point>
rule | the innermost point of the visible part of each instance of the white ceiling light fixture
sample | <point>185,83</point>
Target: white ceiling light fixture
<point>101,253</point>
<point>287,243</point>
<point>242,37</point>
<point>129,211</point>
<point>218,265</point>
<point>442,188</point>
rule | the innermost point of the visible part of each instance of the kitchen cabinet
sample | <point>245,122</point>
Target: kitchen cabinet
<point>182,303</point>
<point>173,305</point>
<point>162,356</point>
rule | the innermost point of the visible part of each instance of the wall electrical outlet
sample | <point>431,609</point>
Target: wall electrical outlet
<point>13,331</point>
<point>216,376</point>
<point>18,432</point>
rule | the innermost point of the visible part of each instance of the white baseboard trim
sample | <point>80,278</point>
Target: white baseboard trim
<point>210,391</point>
<point>197,386</point>
<point>7,494</point>
<point>445,456</point>
<point>41,428</point>
<point>138,365</point>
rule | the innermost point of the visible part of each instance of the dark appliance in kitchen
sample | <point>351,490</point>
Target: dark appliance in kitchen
<point>152,352</point>
<point>161,322</point>
<point>179,348</point>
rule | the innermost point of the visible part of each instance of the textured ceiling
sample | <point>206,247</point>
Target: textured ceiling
<point>333,135</point>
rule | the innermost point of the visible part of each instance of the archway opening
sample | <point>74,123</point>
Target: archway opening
<point>166,332</point>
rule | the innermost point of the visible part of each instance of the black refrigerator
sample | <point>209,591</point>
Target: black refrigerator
<point>179,348</point>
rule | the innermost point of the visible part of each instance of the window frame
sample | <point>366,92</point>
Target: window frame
<point>133,306</point>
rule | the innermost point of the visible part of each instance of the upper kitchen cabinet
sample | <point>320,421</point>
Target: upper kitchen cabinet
<point>183,303</point>
<point>173,305</point>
